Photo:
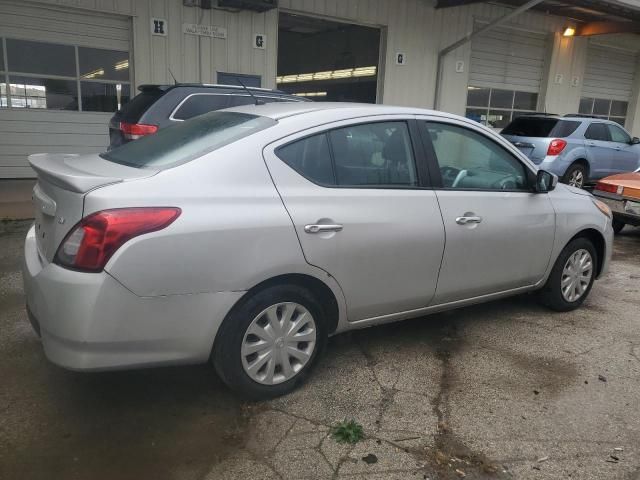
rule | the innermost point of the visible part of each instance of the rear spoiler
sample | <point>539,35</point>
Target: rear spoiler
<point>55,169</point>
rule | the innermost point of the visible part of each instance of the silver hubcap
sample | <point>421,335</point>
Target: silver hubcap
<point>576,179</point>
<point>576,275</point>
<point>278,343</point>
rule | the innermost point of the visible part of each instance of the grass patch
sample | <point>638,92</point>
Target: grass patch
<point>347,432</point>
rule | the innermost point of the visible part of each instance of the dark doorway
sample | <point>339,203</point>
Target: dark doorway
<point>327,61</point>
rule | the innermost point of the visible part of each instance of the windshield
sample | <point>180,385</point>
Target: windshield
<point>540,127</point>
<point>188,140</point>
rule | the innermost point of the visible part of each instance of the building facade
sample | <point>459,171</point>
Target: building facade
<point>66,65</point>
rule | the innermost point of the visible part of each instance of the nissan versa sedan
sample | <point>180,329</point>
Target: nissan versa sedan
<point>245,237</point>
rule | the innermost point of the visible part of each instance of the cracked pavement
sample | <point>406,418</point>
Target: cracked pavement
<point>501,390</point>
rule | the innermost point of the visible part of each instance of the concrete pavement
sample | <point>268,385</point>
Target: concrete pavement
<point>502,390</point>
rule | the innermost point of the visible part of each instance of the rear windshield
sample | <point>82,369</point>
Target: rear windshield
<point>132,111</point>
<point>188,140</point>
<point>540,127</point>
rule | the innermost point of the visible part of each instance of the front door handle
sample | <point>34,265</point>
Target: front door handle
<point>322,228</point>
<point>467,220</point>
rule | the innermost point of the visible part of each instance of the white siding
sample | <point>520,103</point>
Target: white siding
<point>23,132</point>
<point>609,73</point>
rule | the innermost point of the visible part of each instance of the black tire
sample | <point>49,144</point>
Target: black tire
<point>576,168</point>
<point>226,355</point>
<point>617,225</point>
<point>551,294</point>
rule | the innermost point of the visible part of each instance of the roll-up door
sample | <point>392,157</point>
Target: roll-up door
<point>608,82</point>
<point>506,71</point>
<point>63,72</point>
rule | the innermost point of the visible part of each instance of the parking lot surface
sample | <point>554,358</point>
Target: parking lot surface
<point>502,390</point>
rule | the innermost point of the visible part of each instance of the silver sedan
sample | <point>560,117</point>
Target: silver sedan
<point>246,237</point>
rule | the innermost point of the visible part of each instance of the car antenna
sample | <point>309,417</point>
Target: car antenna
<point>175,82</point>
<point>258,102</point>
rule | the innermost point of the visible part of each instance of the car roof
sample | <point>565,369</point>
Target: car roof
<point>283,110</point>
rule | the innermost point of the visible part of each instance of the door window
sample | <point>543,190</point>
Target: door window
<point>618,134</point>
<point>373,154</point>
<point>597,131</point>
<point>310,157</point>
<point>469,160</point>
<point>365,155</point>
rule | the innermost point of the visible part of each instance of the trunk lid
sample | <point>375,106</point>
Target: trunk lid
<point>63,182</point>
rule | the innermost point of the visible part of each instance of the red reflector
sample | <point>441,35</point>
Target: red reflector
<point>606,187</point>
<point>133,131</point>
<point>556,146</point>
<point>92,242</point>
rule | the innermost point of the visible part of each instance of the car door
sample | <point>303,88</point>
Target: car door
<point>499,234</point>
<point>356,194</point>
<point>599,150</point>
<point>625,155</point>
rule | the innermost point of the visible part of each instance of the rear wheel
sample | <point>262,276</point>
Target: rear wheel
<point>572,276</point>
<point>618,225</point>
<point>576,175</point>
<point>267,346</point>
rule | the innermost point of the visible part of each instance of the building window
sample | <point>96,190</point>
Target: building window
<point>50,76</point>
<point>496,107</point>
<point>615,110</point>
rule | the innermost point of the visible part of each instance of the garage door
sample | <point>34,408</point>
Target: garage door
<point>505,75</point>
<point>62,75</point>
<point>608,82</point>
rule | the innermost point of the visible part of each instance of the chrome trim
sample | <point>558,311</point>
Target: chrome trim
<point>322,228</point>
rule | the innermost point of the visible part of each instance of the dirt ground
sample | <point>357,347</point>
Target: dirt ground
<point>502,390</point>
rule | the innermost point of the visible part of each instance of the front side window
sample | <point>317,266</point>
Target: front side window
<point>615,110</point>
<point>187,141</point>
<point>496,107</point>
<point>44,75</point>
<point>618,134</point>
<point>597,131</point>
<point>469,160</point>
<point>376,154</point>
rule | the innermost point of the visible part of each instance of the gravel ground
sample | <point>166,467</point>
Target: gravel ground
<point>502,390</point>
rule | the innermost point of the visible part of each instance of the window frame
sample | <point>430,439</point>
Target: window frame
<point>434,165</point>
<point>507,110</point>
<point>608,116</point>
<point>6,74</point>
<point>419,157</point>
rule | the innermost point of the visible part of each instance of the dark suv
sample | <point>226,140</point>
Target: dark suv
<point>159,106</point>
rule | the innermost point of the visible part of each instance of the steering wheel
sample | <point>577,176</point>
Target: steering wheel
<point>449,175</point>
<point>459,177</point>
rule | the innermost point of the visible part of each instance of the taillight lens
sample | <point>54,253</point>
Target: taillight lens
<point>608,187</point>
<point>133,131</point>
<point>556,146</point>
<point>91,243</point>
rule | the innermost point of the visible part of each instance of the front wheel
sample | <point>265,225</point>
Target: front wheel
<point>576,176</point>
<point>572,276</point>
<point>267,345</point>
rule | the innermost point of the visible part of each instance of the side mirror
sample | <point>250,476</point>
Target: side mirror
<point>635,141</point>
<point>545,181</point>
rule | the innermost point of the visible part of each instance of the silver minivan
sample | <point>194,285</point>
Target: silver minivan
<point>246,237</point>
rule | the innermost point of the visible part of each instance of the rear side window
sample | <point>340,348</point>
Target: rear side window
<point>188,140</point>
<point>376,154</point>
<point>200,103</point>
<point>132,111</point>
<point>597,131</point>
<point>541,127</point>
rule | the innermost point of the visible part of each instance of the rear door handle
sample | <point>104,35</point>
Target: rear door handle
<point>322,228</point>
<point>591,144</point>
<point>467,220</point>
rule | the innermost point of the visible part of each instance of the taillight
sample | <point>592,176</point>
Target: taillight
<point>556,146</point>
<point>608,187</point>
<point>91,243</point>
<point>133,131</point>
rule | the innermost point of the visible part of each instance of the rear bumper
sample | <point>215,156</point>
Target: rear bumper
<point>617,206</point>
<point>89,321</point>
